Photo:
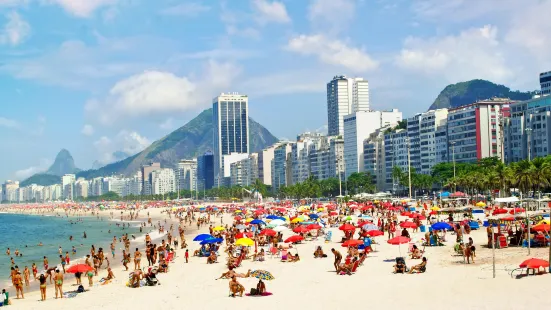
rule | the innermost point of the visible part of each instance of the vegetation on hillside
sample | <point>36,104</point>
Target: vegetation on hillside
<point>43,179</point>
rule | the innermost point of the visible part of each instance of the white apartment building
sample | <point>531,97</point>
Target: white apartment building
<point>186,174</point>
<point>545,83</point>
<point>429,123</point>
<point>282,166</point>
<point>9,191</point>
<point>230,115</point>
<point>374,157</point>
<point>227,160</point>
<point>163,181</point>
<point>133,185</point>
<point>96,187</point>
<point>336,157</point>
<point>345,96</point>
<point>357,127</point>
<point>306,144</point>
<point>82,187</point>
<point>114,184</point>
<point>67,183</point>
<point>265,158</point>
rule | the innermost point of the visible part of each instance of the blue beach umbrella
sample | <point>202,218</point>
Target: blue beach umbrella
<point>441,226</point>
<point>202,237</point>
<point>212,240</point>
<point>313,216</point>
<point>272,217</point>
<point>257,221</point>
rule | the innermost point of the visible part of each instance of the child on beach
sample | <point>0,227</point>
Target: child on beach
<point>187,256</point>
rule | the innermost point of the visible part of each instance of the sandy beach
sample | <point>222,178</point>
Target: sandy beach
<point>448,282</point>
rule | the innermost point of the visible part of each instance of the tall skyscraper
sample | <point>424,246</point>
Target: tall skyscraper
<point>146,177</point>
<point>545,82</point>
<point>205,170</point>
<point>231,129</point>
<point>345,96</point>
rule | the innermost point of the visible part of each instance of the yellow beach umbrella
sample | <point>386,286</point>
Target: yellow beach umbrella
<point>244,242</point>
<point>250,219</point>
<point>480,204</point>
<point>238,211</point>
<point>435,208</point>
<point>297,220</point>
<point>544,222</point>
<point>218,228</point>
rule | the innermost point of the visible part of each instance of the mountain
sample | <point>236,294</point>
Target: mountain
<point>41,179</point>
<point>117,156</point>
<point>63,164</point>
<point>189,141</point>
<point>455,95</point>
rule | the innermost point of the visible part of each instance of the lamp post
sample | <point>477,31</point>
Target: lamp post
<point>409,167</point>
<point>529,142</point>
<point>453,159</point>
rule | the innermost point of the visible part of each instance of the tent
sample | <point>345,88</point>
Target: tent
<point>508,199</point>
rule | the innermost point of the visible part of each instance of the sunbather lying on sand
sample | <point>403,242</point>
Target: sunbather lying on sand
<point>231,273</point>
<point>421,267</point>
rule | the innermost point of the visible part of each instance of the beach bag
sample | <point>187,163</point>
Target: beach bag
<point>254,292</point>
<point>80,289</point>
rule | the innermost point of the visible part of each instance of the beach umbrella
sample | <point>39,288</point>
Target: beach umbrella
<point>408,225</point>
<point>435,208</point>
<point>542,227</point>
<point>534,263</point>
<point>240,227</point>
<point>300,229</point>
<point>546,221</point>
<point>244,234</point>
<point>313,216</point>
<point>480,204</point>
<point>238,218</point>
<point>211,241</point>
<point>499,211</point>
<point>370,227</point>
<point>202,237</point>
<point>375,233</point>
<point>352,243</point>
<point>417,215</point>
<point>277,222</point>
<point>333,213</point>
<point>294,238</point>
<point>441,226</point>
<point>244,242</point>
<point>516,210</point>
<point>250,219</point>
<point>257,222</point>
<point>280,228</point>
<point>346,227</point>
<point>313,226</point>
<point>262,275</point>
<point>82,268</point>
<point>218,228</point>
<point>268,232</point>
<point>397,241</point>
<point>297,220</point>
<point>272,217</point>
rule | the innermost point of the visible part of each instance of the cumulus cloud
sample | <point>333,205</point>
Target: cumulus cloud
<point>9,123</point>
<point>270,11</point>
<point>473,53</point>
<point>87,130</point>
<point>15,31</point>
<point>159,92</point>
<point>126,141</point>
<point>187,9</point>
<point>333,52</point>
<point>82,8</point>
<point>332,15</point>
<point>27,172</point>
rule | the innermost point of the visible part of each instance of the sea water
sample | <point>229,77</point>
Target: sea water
<point>25,232</point>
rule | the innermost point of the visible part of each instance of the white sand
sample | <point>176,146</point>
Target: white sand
<point>313,284</point>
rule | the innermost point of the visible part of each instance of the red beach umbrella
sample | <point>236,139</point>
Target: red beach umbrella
<point>300,229</point>
<point>499,211</point>
<point>516,210</point>
<point>542,227</point>
<point>293,239</point>
<point>398,240</point>
<point>82,268</point>
<point>534,263</point>
<point>375,233</point>
<point>268,232</point>
<point>333,213</point>
<point>408,225</point>
<point>352,243</point>
<point>345,227</point>
<point>313,226</point>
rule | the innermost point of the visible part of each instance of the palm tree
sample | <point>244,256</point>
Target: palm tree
<point>524,172</point>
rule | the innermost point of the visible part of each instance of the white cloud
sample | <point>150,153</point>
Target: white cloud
<point>333,52</point>
<point>87,130</point>
<point>15,31</point>
<point>270,11</point>
<point>473,53</point>
<point>27,172</point>
<point>82,8</point>
<point>8,123</point>
<point>332,15</point>
<point>128,142</point>
<point>159,92</point>
<point>527,30</point>
<point>187,9</point>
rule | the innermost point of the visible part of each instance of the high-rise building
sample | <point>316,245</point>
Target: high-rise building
<point>374,157</point>
<point>245,172</point>
<point>306,144</point>
<point>528,129</point>
<point>422,138</point>
<point>81,188</point>
<point>345,96</point>
<point>473,130</point>
<point>281,166</point>
<point>231,129</point>
<point>186,175</point>
<point>9,189</point>
<point>163,181</point>
<point>545,83</point>
<point>265,158</point>
<point>357,127</point>
<point>146,177</point>
<point>396,155</point>
<point>205,170</point>
<point>67,183</point>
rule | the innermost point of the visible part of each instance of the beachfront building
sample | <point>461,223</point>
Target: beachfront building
<point>374,157</point>
<point>228,160</point>
<point>442,145</point>
<point>306,144</point>
<point>115,184</point>
<point>96,187</point>
<point>230,116</point>
<point>319,159</point>
<point>281,166</point>
<point>67,183</point>
<point>265,158</point>
<point>396,154</point>
<point>9,191</point>
<point>163,181</point>
<point>245,172</point>
<point>345,96</point>
<point>205,171</point>
<point>133,185</point>
<point>81,188</point>
<point>473,130</point>
<point>422,138</point>
<point>336,157</point>
<point>527,132</point>
<point>186,175</point>
<point>545,83</point>
<point>147,184</point>
<point>357,127</point>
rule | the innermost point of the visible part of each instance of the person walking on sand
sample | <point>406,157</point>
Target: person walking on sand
<point>42,280</point>
<point>338,259</point>
<point>58,283</point>
<point>45,263</point>
<point>137,259</point>
<point>18,283</point>
<point>26,275</point>
<point>187,256</point>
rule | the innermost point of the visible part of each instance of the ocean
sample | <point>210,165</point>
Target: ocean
<point>25,232</point>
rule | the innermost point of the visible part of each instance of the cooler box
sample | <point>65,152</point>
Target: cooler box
<point>423,228</point>
<point>502,242</point>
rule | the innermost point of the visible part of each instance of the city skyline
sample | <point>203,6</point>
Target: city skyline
<point>73,84</point>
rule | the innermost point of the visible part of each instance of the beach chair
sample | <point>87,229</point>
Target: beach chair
<point>238,262</point>
<point>328,236</point>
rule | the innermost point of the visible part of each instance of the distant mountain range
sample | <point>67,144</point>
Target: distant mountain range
<point>63,164</point>
<point>455,95</point>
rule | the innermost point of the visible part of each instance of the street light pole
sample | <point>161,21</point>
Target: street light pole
<point>453,159</point>
<point>409,167</point>
<point>529,142</point>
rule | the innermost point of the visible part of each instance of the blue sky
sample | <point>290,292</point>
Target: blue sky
<point>100,76</point>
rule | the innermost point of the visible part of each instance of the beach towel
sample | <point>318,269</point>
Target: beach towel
<point>69,295</point>
<point>261,295</point>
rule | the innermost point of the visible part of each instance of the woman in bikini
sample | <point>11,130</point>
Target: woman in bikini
<point>18,283</point>
<point>42,281</point>
<point>137,259</point>
<point>58,283</point>
<point>35,270</point>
